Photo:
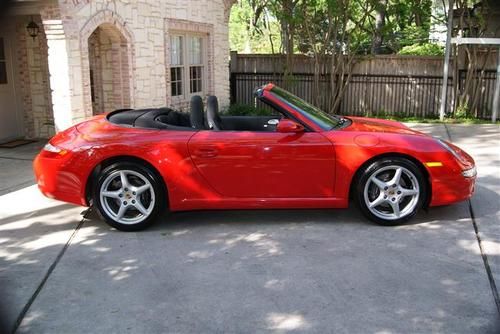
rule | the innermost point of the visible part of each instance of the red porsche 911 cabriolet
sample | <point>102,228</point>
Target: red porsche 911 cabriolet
<point>135,164</point>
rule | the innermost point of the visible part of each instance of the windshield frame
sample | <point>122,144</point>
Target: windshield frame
<point>312,113</point>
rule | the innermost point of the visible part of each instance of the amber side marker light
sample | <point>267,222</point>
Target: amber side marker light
<point>434,164</point>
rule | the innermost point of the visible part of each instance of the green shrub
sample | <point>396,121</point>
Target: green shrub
<point>462,111</point>
<point>246,110</point>
<point>422,49</point>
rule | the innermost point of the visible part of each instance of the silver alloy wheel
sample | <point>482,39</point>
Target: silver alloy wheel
<point>391,192</point>
<point>127,197</point>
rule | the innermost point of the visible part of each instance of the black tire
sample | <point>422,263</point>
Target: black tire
<point>152,200</point>
<point>391,197</point>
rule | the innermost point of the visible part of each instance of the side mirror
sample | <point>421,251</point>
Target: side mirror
<point>289,126</point>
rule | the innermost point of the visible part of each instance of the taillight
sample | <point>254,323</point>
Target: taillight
<point>50,150</point>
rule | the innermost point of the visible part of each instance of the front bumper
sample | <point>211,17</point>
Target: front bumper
<point>452,190</point>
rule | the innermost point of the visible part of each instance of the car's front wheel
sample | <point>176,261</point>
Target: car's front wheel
<point>128,196</point>
<point>390,191</point>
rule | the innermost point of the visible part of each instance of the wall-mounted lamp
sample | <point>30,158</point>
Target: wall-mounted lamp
<point>33,29</point>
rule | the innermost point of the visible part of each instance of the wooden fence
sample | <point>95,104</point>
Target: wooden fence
<point>378,95</point>
<point>410,86</point>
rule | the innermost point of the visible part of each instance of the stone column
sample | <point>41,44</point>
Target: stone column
<point>65,68</point>
<point>58,67</point>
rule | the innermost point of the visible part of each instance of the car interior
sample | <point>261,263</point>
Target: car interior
<point>169,119</point>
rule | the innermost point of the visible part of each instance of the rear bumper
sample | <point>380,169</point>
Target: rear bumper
<point>56,179</point>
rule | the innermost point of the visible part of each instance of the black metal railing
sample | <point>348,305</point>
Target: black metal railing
<point>480,92</point>
<point>367,95</point>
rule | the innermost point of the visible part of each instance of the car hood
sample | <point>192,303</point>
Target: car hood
<point>364,124</point>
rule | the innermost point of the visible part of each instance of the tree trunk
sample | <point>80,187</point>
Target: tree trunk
<point>288,37</point>
<point>417,13</point>
<point>380,11</point>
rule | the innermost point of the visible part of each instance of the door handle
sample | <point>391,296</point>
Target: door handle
<point>206,152</point>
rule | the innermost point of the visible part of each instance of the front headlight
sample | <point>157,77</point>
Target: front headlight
<point>470,172</point>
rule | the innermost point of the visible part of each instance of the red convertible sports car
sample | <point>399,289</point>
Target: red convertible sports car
<point>134,164</point>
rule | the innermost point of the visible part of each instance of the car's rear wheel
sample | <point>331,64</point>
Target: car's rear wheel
<point>390,191</point>
<point>128,196</point>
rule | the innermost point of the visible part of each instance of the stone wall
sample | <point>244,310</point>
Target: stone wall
<point>33,81</point>
<point>109,70</point>
<point>144,27</point>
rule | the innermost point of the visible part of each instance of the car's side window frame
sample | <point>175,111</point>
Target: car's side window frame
<point>285,113</point>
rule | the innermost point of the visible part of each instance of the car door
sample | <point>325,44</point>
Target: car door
<point>250,164</point>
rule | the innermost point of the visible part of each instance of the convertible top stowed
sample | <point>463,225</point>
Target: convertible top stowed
<point>154,118</point>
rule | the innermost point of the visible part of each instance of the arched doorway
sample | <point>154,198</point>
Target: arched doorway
<point>109,69</point>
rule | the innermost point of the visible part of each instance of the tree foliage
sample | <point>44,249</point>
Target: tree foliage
<point>423,49</point>
<point>254,28</point>
<point>332,33</point>
<point>377,26</point>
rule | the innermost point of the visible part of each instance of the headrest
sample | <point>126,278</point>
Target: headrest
<point>213,118</point>
<point>196,116</point>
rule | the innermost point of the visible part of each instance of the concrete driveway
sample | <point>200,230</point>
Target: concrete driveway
<point>62,270</point>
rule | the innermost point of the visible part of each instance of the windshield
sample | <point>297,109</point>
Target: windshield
<point>324,120</point>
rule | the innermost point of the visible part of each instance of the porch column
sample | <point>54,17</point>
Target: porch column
<point>58,67</point>
<point>65,67</point>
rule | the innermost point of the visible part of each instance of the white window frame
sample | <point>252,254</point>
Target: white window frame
<point>186,82</point>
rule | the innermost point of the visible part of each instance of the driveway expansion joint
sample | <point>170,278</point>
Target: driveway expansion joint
<point>491,279</point>
<point>45,278</point>
<point>447,131</point>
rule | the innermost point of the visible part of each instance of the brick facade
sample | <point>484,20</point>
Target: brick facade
<point>143,28</point>
<point>126,46</point>
<point>33,83</point>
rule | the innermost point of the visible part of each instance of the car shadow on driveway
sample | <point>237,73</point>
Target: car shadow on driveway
<point>270,271</point>
<point>30,241</point>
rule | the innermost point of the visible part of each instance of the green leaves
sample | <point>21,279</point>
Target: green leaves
<point>422,49</point>
<point>263,26</point>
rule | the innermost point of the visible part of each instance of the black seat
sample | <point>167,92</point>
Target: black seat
<point>213,117</point>
<point>196,115</point>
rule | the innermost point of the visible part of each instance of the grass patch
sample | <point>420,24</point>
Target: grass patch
<point>447,120</point>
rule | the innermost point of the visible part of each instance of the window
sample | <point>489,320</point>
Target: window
<point>187,65</point>
<point>195,65</point>
<point>176,64</point>
<point>3,64</point>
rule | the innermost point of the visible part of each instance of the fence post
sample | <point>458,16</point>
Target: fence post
<point>444,88</point>
<point>233,65</point>
<point>496,94</point>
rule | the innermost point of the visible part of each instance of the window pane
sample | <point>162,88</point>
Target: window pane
<point>176,81</point>
<point>176,50</point>
<point>195,79</point>
<point>195,51</point>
